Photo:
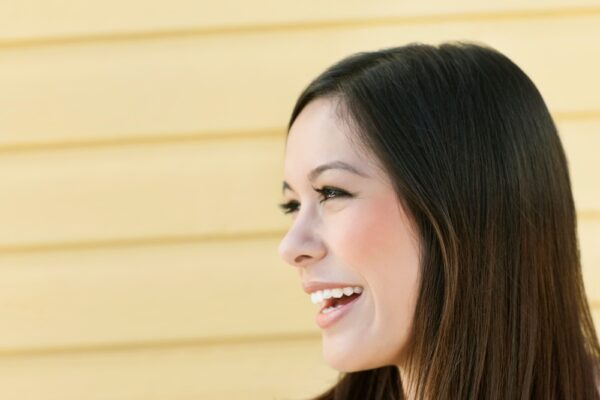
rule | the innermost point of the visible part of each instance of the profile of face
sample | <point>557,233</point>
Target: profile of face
<point>348,228</point>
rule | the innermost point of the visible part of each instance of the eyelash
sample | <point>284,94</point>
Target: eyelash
<point>292,205</point>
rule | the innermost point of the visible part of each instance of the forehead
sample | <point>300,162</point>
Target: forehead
<point>318,136</point>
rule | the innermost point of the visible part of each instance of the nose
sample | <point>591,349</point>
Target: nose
<point>301,245</point>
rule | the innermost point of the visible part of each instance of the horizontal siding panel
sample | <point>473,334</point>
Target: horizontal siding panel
<point>30,19</point>
<point>196,291</point>
<point>237,371</point>
<point>210,187</point>
<point>246,82</point>
<point>154,294</point>
<point>202,188</point>
<point>581,142</point>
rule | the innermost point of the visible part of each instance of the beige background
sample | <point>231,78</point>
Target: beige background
<point>141,158</point>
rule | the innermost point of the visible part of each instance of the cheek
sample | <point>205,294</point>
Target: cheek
<point>373,233</point>
<point>378,242</point>
<point>375,240</point>
<point>364,236</point>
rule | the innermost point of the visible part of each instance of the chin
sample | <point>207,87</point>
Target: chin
<point>347,359</point>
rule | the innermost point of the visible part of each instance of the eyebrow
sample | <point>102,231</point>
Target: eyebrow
<point>324,167</point>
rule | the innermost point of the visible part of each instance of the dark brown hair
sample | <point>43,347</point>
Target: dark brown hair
<point>475,157</point>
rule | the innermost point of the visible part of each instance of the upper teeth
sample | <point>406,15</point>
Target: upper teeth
<point>320,295</point>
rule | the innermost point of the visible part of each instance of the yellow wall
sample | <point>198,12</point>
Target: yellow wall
<point>141,155</point>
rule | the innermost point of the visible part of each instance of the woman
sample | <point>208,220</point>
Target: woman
<point>434,224</point>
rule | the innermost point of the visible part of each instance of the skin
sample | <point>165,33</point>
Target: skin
<point>366,239</point>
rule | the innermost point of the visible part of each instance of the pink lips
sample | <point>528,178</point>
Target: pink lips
<point>326,320</point>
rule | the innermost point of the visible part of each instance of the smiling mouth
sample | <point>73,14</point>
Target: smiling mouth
<point>335,308</point>
<point>335,297</point>
<point>333,303</point>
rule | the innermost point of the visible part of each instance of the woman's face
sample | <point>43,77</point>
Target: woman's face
<point>355,233</point>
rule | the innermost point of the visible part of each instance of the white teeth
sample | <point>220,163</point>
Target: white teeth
<point>316,297</point>
<point>320,295</point>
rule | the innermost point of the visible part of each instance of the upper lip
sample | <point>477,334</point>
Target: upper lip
<point>313,286</point>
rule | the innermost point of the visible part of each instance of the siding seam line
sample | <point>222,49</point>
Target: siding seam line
<point>584,11</point>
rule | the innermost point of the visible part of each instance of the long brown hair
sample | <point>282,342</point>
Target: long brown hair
<point>476,158</point>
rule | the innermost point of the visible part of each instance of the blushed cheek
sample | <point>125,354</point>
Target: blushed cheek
<point>378,242</point>
<point>368,232</point>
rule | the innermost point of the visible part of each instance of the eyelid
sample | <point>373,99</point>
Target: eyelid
<point>292,205</point>
<point>322,190</point>
<point>288,207</point>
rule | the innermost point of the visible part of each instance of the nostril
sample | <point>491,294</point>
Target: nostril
<point>300,259</point>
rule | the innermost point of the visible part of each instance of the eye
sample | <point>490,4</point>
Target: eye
<point>289,207</point>
<point>328,192</point>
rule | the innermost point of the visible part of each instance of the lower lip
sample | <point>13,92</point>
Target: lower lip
<point>326,320</point>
